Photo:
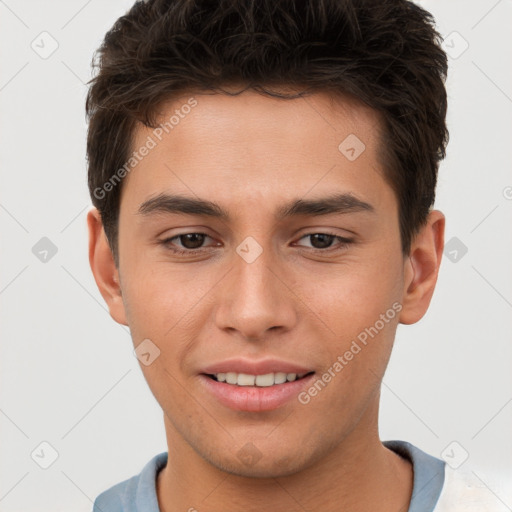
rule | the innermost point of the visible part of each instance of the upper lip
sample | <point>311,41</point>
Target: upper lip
<point>253,367</point>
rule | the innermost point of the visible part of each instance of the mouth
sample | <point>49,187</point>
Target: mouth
<point>261,381</point>
<point>255,393</point>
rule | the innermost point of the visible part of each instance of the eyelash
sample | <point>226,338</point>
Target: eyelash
<point>344,243</point>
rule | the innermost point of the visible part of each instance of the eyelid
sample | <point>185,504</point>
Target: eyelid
<point>343,242</point>
<point>168,240</point>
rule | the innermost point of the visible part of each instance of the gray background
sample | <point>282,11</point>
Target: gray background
<point>68,374</point>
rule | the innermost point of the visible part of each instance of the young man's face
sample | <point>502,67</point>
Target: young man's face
<point>264,292</point>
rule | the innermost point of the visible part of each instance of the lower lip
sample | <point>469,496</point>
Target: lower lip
<point>254,398</point>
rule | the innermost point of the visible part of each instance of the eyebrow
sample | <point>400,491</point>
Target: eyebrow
<point>333,204</point>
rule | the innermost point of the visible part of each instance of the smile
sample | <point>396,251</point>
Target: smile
<point>266,380</point>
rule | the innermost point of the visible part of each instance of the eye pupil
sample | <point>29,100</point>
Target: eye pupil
<point>325,240</point>
<point>192,240</point>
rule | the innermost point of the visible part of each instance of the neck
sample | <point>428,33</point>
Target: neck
<point>358,474</point>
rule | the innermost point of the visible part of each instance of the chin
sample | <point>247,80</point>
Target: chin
<point>249,462</point>
<point>263,469</point>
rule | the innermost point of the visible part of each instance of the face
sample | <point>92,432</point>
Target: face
<point>282,257</point>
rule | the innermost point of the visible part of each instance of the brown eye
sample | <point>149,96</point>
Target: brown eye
<point>186,243</point>
<point>324,242</point>
<point>192,240</point>
<point>321,240</point>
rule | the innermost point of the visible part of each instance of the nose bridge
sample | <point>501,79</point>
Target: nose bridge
<point>254,299</point>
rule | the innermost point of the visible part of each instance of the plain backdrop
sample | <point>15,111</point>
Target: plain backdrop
<point>68,376</point>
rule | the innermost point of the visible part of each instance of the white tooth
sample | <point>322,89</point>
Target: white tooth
<point>279,378</point>
<point>231,377</point>
<point>265,380</point>
<point>245,380</point>
<point>300,375</point>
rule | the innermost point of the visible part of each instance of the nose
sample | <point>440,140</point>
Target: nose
<point>255,298</point>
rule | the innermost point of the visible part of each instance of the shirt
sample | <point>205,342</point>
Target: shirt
<point>436,487</point>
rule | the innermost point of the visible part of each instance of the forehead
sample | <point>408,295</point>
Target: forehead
<point>254,147</point>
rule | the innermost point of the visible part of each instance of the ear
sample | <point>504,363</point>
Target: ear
<point>103,267</point>
<point>421,268</point>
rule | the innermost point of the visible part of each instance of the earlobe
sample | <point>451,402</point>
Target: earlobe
<point>103,267</point>
<point>422,267</point>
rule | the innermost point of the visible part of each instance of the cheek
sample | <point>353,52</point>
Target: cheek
<point>152,291</point>
<point>358,308</point>
<point>360,311</point>
<point>352,297</point>
<point>168,307</point>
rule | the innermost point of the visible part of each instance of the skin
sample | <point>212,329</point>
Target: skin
<point>251,154</point>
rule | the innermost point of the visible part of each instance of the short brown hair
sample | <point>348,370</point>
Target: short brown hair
<point>386,53</point>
